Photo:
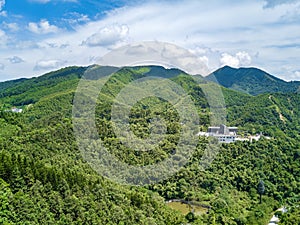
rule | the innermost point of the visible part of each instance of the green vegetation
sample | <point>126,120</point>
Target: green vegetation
<point>252,81</point>
<point>291,217</point>
<point>185,208</point>
<point>260,189</point>
<point>45,180</point>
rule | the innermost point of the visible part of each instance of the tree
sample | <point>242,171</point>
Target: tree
<point>260,189</point>
<point>5,195</point>
<point>190,216</point>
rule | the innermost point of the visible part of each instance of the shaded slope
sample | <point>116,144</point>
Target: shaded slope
<point>252,81</point>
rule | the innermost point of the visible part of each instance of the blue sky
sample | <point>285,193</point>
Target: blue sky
<point>37,36</point>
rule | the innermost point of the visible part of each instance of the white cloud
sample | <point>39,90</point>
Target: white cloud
<point>48,64</point>
<point>154,52</point>
<point>2,34</point>
<point>239,59</point>
<point>229,60</point>
<point>244,58</point>
<point>11,26</point>
<point>3,38</point>
<point>204,59</point>
<point>15,60</point>
<point>2,12</point>
<point>241,26</point>
<point>108,36</point>
<point>292,15</point>
<point>47,45</point>
<point>43,27</point>
<point>2,66</point>
<point>295,75</point>
<point>75,18</point>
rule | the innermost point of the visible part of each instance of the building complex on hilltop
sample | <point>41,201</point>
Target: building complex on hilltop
<point>223,133</point>
<point>226,134</point>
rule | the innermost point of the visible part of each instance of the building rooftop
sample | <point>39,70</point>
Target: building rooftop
<point>222,130</point>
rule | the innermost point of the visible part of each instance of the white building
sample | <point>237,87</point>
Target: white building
<point>226,134</point>
<point>223,133</point>
<point>16,110</point>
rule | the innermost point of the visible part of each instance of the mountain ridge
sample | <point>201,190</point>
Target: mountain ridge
<point>251,80</point>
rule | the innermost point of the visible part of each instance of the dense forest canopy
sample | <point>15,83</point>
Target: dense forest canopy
<point>252,81</point>
<point>44,178</point>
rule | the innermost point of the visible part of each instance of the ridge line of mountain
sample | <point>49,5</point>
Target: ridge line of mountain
<point>250,80</point>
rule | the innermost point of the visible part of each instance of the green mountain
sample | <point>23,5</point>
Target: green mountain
<point>45,180</point>
<point>252,81</point>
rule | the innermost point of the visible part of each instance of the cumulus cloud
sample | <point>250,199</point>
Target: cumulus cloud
<point>229,60</point>
<point>240,25</point>
<point>244,58</point>
<point>237,60</point>
<point>204,59</point>
<point>154,52</point>
<point>295,75</point>
<point>43,27</point>
<point>108,36</point>
<point>15,60</point>
<point>48,64</point>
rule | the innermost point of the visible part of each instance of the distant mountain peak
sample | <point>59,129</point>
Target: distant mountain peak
<point>251,80</point>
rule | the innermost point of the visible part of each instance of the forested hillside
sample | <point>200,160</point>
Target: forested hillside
<point>252,81</point>
<point>45,180</point>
